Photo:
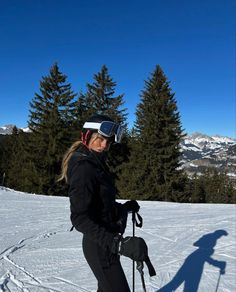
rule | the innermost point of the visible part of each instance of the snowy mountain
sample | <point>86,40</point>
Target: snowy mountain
<point>186,243</point>
<point>201,151</point>
<point>7,129</point>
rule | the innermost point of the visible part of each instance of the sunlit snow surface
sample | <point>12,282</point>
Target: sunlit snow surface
<point>39,253</point>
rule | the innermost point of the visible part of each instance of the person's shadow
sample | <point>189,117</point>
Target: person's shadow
<point>191,271</point>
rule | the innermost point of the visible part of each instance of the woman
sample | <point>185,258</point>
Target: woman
<point>94,211</point>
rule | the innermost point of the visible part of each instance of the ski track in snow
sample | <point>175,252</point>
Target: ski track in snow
<point>9,276</point>
<point>39,254</point>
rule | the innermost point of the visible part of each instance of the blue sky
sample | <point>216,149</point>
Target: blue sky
<point>192,40</point>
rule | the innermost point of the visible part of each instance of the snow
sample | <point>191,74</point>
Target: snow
<point>200,137</point>
<point>190,148</point>
<point>231,174</point>
<point>203,142</point>
<point>221,139</point>
<point>39,253</point>
<point>7,129</point>
<point>192,165</point>
<point>27,129</point>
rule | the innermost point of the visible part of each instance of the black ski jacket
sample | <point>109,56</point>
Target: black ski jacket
<point>92,192</point>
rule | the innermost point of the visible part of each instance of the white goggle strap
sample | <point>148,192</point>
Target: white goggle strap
<point>90,125</point>
<point>95,126</point>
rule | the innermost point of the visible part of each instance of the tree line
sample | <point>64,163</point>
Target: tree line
<point>146,165</point>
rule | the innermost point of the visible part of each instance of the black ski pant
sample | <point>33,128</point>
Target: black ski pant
<point>108,271</point>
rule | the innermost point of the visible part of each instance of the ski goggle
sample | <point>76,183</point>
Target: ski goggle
<point>106,129</point>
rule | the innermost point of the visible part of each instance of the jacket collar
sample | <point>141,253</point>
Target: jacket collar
<point>95,157</point>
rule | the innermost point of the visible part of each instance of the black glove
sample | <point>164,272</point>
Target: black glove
<point>132,206</point>
<point>135,248</point>
<point>131,247</point>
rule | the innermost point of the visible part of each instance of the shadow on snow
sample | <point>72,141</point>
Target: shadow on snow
<point>191,271</point>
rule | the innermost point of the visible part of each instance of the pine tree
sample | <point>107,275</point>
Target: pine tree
<point>3,159</point>
<point>154,163</point>
<point>11,158</point>
<point>9,150</point>
<point>213,186</point>
<point>100,98</point>
<point>197,189</point>
<point>17,162</point>
<point>52,122</point>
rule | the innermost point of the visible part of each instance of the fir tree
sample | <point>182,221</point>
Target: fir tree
<point>3,159</point>
<point>213,186</point>
<point>100,98</point>
<point>52,122</point>
<point>9,149</point>
<point>17,175</point>
<point>155,154</point>
<point>197,189</point>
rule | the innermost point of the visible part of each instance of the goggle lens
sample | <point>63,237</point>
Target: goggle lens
<point>107,129</point>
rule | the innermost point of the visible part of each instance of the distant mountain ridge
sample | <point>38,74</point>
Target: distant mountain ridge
<point>200,151</point>
<point>7,129</point>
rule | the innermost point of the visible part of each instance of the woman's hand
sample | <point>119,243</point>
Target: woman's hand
<point>134,247</point>
<point>132,206</point>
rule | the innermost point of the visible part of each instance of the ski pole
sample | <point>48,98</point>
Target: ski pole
<point>134,221</point>
<point>140,269</point>
<point>218,282</point>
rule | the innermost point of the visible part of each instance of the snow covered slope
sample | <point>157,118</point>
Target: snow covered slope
<point>39,253</point>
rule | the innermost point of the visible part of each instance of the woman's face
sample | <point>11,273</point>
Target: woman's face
<point>99,143</point>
